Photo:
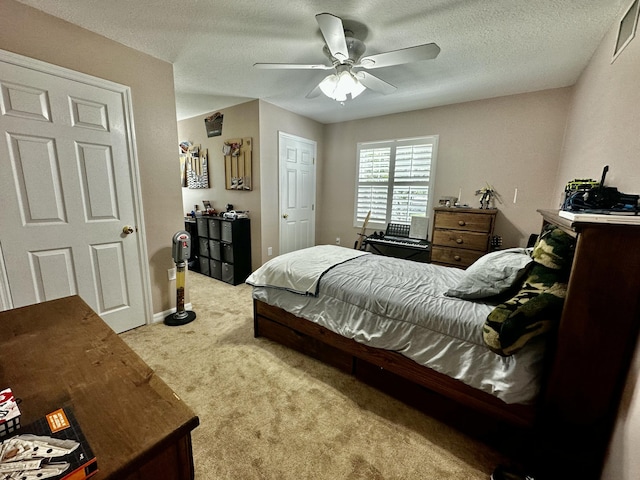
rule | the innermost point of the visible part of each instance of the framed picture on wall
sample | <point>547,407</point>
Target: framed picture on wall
<point>213,124</point>
<point>626,29</point>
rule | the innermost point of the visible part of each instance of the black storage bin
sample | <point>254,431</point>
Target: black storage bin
<point>215,270</point>
<point>201,224</point>
<point>214,228</point>
<point>214,249</point>
<point>203,246</point>
<point>227,272</point>
<point>204,265</point>
<point>227,232</point>
<point>227,252</point>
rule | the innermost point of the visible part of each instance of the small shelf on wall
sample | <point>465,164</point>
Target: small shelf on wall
<point>237,163</point>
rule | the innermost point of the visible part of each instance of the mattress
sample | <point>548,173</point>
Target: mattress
<point>401,305</point>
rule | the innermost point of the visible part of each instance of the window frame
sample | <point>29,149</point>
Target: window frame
<point>393,144</point>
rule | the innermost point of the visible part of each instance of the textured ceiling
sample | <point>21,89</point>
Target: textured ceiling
<point>489,48</point>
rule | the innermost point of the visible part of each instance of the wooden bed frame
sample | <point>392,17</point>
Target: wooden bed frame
<point>587,369</point>
<point>358,359</point>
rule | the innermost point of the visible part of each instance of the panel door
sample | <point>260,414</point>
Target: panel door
<point>68,195</point>
<point>297,192</point>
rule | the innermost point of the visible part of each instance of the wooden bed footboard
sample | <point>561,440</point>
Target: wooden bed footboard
<point>356,358</point>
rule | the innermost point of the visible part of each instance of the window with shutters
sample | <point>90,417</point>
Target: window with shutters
<point>395,180</point>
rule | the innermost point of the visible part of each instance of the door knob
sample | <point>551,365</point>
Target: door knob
<point>127,230</point>
<point>285,215</point>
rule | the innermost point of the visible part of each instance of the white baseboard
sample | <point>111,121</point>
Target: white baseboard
<point>159,317</point>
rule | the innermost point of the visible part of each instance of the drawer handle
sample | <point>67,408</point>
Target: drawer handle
<point>457,258</point>
<point>462,223</point>
<point>458,241</point>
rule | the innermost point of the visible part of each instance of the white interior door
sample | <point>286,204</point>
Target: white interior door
<point>68,190</point>
<point>297,192</point>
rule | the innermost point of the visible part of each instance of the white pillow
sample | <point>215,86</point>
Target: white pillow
<point>492,274</point>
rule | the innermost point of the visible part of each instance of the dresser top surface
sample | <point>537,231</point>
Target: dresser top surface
<point>488,211</point>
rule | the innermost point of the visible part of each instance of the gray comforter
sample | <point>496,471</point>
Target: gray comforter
<point>400,305</point>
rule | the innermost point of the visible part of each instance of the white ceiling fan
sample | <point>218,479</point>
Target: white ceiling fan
<point>346,55</point>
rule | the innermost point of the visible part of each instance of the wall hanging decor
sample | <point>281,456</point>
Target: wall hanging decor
<point>194,166</point>
<point>237,163</point>
<point>213,124</point>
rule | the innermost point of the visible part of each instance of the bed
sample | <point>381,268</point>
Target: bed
<point>389,311</point>
<point>401,306</point>
<point>558,382</point>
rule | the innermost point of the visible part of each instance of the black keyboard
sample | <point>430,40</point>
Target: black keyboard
<point>400,241</point>
<point>393,238</point>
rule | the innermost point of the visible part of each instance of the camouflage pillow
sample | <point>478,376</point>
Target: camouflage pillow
<point>554,248</point>
<point>538,305</point>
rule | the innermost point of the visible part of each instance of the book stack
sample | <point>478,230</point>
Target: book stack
<point>53,447</point>
<point>602,216</point>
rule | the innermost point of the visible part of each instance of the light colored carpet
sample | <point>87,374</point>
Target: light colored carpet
<point>268,412</point>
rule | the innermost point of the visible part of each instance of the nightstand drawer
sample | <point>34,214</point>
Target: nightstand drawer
<point>456,257</point>
<point>461,239</point>
<point>453,220</point>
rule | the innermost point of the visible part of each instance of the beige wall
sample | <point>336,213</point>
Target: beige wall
<point>31,33</point>
<point>603,129</point>
<point>273,120</point>
<point>509,142</point>
<point>240,121</point>
<point>261,121</point>
<point>604,121</point>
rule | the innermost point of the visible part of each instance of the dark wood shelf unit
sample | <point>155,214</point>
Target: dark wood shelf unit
<point>224,248</point>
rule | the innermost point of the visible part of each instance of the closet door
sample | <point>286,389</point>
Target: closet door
<point>69,222</point>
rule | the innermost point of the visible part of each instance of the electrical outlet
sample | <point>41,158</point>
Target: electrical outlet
<point>269,251</point>
<point>337,240</point>
<point>172,273</point>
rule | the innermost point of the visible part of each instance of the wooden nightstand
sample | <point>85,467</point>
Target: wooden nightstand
<point>461,235</point>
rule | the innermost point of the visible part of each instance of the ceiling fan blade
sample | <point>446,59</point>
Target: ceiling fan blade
<point>314,93</point>
<point>333,33</point>
<point>291,66</point>
<point>374,83</point>
<point>418,53</point>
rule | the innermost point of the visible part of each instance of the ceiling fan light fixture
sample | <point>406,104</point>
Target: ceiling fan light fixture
<point>328,85</point>
<point>339,86</point>
<point>345,53</point>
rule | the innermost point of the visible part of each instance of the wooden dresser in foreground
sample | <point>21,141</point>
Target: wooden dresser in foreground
<point>61,354</point>
<point>461,235</point>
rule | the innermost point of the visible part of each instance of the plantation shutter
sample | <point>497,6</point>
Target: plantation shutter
<point>373,180</point>
<point>411,182</point>
<point>394,180</point>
